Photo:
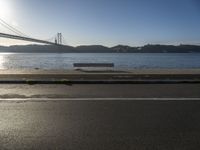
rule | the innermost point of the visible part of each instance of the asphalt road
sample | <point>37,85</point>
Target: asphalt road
<point>47,123</point>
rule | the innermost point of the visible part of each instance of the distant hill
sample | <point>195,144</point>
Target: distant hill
<point>93,49</point>
<point>37,49</point>
<point>101,49</point>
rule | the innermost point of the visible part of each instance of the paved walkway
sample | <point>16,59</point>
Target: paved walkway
<point>94,75</point>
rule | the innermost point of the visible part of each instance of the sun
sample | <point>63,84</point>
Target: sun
<point>5,10</point>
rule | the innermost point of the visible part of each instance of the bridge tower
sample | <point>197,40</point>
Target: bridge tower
<point>59,39</point>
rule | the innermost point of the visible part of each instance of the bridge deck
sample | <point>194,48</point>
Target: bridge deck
<point>16,37</point>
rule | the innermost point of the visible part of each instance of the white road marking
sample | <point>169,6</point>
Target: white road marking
<point>99,99</point>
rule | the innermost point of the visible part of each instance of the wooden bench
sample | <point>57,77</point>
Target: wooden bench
<point>95,65</point>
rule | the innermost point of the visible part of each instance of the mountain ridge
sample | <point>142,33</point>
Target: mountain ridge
<point>100,49</point>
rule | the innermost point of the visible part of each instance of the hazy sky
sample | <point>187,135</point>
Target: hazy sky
<point>107,22</point>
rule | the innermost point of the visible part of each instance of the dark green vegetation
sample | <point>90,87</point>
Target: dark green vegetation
<point>101,49</point>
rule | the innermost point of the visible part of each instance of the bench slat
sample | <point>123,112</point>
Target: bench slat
<point>93,65</point>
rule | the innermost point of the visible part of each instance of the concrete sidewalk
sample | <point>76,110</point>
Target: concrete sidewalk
<point>99,76</point>
<point>99,71</point>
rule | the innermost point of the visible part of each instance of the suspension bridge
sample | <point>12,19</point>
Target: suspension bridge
<point>18,35</point>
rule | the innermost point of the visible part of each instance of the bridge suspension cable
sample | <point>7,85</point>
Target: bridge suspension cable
<point>11,28</point>
<point>4,35</point>
<point>52,39</point>
<point>64,41</point>
<point>21,36</point>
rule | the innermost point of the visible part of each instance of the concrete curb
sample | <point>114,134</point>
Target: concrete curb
<point>68,82</point>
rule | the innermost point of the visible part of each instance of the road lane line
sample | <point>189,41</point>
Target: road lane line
<point>99,99</point>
